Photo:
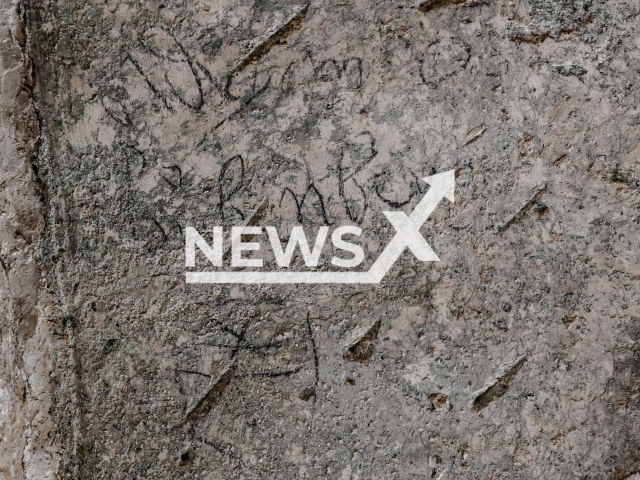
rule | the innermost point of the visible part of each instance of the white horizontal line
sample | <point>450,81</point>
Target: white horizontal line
<point>281,277</point>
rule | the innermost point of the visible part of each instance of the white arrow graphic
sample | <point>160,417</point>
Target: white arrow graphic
<point>407,236</point>
<point>442,185</point>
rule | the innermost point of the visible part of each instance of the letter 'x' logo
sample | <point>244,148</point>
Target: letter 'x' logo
<point>407,236</point>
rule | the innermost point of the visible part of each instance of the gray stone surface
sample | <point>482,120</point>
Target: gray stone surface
<point>516,356</point>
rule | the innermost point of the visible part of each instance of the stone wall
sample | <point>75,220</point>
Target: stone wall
<point>515,356</point>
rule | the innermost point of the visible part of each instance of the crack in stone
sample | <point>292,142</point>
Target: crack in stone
<point>499,387</point>
<point>275,36</point>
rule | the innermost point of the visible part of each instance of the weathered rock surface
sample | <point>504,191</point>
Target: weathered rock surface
<point>515,356</point>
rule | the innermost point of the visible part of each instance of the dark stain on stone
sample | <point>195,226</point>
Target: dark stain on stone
<point>307,393</point>
<point>440,401</point>
<point>429,5</point>
<point>111,345</point>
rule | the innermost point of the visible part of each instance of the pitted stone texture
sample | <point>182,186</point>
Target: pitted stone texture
<point>157,116</point>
